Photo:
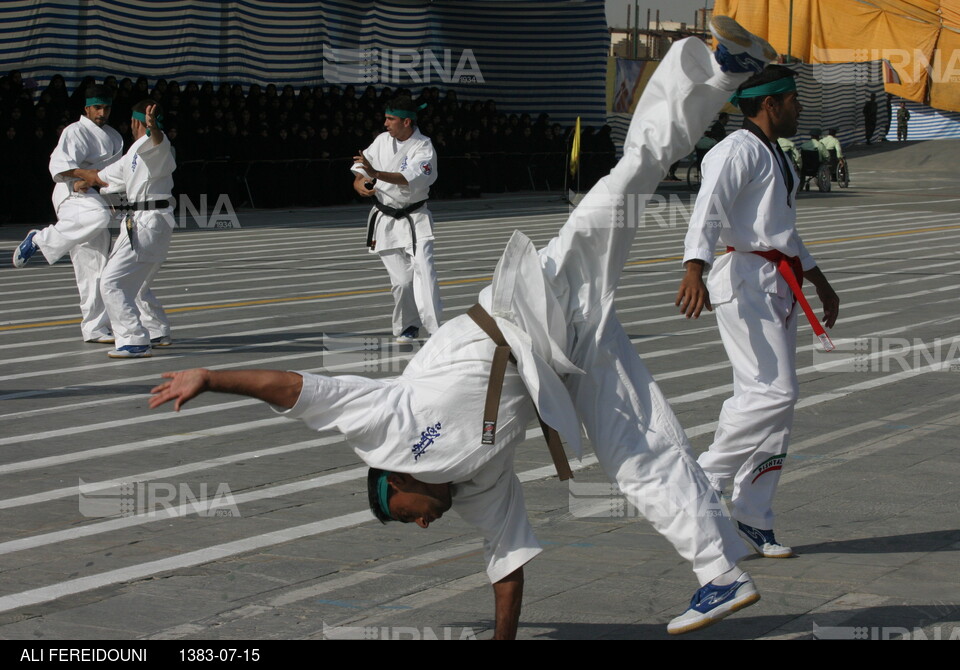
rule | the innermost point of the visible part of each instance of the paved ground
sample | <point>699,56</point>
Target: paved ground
<point>869,495</point>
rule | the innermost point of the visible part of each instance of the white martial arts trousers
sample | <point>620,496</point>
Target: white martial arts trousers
<point>759,332</point>
<point>82,231</point>
<point>135,312</point>
<point>415,288</point>
<point>637,438</point>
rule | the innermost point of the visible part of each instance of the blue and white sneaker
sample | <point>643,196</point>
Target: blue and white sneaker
<point>102,339</point>
<point>131,351</point>
<point>763,542</point>
<point>712,603</point>
<point>410,334</point>
<point>162,341</point>
<point>739,50</point>
<point>25,250</point>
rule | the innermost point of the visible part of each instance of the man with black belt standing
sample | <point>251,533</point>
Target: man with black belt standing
<point>397,170</point>
<point>145,176</point>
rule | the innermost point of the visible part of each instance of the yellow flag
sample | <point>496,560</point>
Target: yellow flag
<point>575,150</point>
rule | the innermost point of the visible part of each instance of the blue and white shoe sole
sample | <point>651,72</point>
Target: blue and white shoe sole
<point>718,614</point>
<point>728,30</point>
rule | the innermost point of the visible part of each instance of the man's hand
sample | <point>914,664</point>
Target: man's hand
<point>183,386</point>
<point>828,297</point>
<point>365,164</point>
<point>359,185</point>
<point>80,186</point>
<point>693,295</point>
<point>90,177</point>
<point>508,595</point>
<point>150,114</point>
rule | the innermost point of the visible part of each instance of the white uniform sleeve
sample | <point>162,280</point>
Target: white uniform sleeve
<point>346,404</point>
<point>68,155</point>
<point>421,170</point>
<point>158,157</point>
<point>724,171</point>
<point>115,175</point>
<point>493,502</point>
<point>371,155</point>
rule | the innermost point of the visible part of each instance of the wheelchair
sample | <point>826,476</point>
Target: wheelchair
<point>813,169</point>
<point>839,171</point>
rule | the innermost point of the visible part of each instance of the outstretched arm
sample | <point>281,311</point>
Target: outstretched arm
<point>272,386</point>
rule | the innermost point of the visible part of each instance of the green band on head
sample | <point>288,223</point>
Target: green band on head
<point>142,118</point>
<point>403,113</point>
<point>382,491</point>
<point>99,101</point>
<point>784,85</point>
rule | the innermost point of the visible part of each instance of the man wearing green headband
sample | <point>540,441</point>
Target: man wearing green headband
<point>144,177</point>
<point>396,171</point>
<point>747,202</point>
<point>427,436</point>
<point>82,217</point>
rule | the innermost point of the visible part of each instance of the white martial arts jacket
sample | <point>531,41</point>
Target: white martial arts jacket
<point>416,160</point>
<point>84,145</point>
<point>145,173</point>
<point>743,203</point>
<point>428,422</point>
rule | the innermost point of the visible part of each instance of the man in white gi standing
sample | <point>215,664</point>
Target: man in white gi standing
<point>397,170</point>
<point>145,176</point>
<point>427,435</point>
<point>81,230</point>
<point>747,201</point>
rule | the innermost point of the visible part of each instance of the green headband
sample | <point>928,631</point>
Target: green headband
<point>404,114</point>
<point>784,85</point>
<point>382,491</point>
<point>99,101</point>
<point>142,118</point>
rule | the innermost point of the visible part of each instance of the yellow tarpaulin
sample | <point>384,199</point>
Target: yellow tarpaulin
<point>920,38</point>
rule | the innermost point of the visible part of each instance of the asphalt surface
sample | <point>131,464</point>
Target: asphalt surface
<point>227,522</point>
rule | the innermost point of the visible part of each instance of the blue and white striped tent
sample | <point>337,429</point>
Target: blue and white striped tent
<point>534,56</point>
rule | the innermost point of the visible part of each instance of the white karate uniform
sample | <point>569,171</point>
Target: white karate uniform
<point>743,203</point>
<point>555,309</point>
<point>144,174</point>
<point>413,276</point>
<point>82,218</point>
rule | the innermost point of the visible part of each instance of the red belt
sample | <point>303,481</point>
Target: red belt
<point>792,271</point>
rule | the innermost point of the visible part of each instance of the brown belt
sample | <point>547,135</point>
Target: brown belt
<point>498,370</point>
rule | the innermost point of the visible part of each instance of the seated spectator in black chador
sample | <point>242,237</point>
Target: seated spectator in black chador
<point>141,90</point>
<point>322,143</point>
<point>78,99</point>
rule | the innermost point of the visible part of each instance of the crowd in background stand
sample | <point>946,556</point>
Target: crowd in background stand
<point>273,146</point>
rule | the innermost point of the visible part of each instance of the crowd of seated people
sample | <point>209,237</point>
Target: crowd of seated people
<point>270,146</point>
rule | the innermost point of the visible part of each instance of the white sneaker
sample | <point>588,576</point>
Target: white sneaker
<point>763,542</point>
<point>739,50</point>
<point>712,603</point>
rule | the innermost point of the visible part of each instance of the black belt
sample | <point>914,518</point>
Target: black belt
<point>498,369</point>
<point>144,205</point>
<point>394,213</point>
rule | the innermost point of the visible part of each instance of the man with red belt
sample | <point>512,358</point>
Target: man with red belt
<point>747,201</point>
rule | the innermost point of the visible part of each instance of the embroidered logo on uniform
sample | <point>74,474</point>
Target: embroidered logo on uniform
<point>426,168</point>
<point>133,165</point>
<point>403,165</point>
<point>769,465</point>
<point>427,437</point>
